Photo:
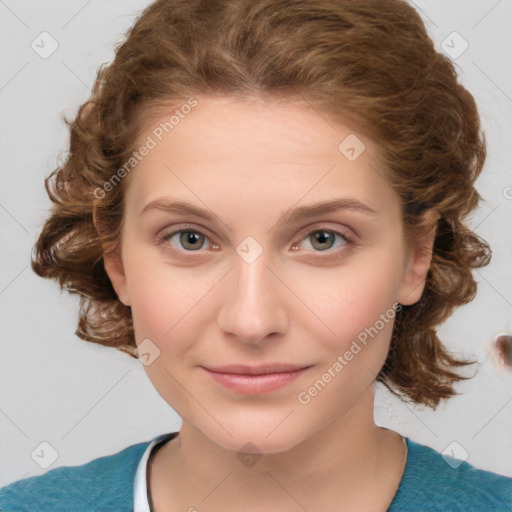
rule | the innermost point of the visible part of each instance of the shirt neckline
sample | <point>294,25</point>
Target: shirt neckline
<point>141,494</point>
<point>140,488</point>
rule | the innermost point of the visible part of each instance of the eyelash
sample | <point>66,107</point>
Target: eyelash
<point>349,241</point>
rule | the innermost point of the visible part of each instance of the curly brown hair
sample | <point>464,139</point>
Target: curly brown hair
<point>370,62</point>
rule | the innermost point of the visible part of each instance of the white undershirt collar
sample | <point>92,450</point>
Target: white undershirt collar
<point>140,490</point>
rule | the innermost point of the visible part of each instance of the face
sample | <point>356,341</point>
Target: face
<point>250,282</point>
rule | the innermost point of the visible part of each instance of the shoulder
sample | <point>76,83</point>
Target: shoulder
<point>105,483</point>
<point>433,482</point>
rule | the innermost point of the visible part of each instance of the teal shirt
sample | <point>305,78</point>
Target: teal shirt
<point>106,484</point>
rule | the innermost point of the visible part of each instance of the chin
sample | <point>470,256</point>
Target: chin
<point>256,436</point>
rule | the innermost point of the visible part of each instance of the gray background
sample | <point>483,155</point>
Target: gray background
<point>87,401</point>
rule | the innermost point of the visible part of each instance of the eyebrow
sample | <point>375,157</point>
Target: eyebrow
<point>295,215</point>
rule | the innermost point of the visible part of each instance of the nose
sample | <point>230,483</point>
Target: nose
<point>254,305</point>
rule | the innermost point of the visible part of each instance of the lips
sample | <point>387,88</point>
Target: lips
<point>264,369</point>
<point>255,380</point>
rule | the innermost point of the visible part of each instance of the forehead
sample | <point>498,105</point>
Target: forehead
<point>295,122</point>
<point>251,148</point>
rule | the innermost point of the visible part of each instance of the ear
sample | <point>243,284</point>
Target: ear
<point>417,264</point>
<point>112,261</point>
<point>114,268</point>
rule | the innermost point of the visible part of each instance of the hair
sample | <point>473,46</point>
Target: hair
<point>367,62</point>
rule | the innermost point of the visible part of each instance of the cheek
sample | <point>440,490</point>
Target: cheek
<point>352,299</point>
<point>165,300</point>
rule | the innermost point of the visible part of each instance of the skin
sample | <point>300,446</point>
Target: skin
<point>302,301</point>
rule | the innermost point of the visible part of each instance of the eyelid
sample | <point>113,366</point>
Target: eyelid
<point>323,226</point>
<point>165,236</point>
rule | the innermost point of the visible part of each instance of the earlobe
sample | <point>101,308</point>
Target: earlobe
<point>114,268</point>
<point>416,270</point>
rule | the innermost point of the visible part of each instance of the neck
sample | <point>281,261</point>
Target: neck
<point>338,462</point>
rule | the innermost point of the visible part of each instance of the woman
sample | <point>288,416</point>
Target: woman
<point>225,144</point>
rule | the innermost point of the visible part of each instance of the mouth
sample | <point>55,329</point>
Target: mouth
<point>254,380</point>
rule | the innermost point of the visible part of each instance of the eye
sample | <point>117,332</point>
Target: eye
<point>190,239</point>
<point>324,239</point>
